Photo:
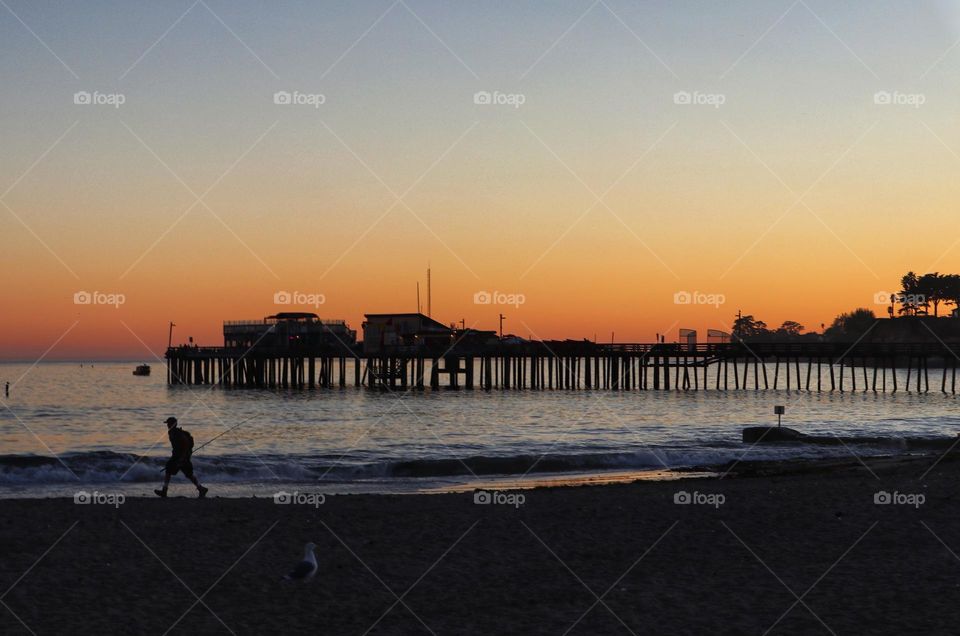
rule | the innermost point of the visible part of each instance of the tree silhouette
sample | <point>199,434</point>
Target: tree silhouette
<point>930,286</point>
<point>919,292</point>
<point>790,329</point>
<point>850,326</point>
<point>951,290</point>
<point>909,294</point>
<point>748,327</point>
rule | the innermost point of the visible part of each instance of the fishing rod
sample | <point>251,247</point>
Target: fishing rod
<point>220,435</point>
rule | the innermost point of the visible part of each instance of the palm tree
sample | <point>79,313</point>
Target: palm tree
<point>931,290</point>
<point>909,286</point>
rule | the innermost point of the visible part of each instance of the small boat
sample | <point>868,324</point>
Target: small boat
<point>142,369</point>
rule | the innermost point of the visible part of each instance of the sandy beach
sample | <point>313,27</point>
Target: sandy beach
<point>783,550</point>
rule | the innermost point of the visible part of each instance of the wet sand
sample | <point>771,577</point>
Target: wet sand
<point>611,559</point>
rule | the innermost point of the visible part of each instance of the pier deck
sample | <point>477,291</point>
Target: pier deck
<point>811,366</point>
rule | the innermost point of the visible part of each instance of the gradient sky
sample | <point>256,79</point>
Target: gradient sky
<point>799,197</point>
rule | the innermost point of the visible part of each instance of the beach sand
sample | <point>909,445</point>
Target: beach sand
<point>613,559</point>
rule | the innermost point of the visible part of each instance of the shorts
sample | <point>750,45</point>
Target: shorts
<point>186,466</point>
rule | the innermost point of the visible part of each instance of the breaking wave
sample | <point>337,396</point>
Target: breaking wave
<point>109,466</point>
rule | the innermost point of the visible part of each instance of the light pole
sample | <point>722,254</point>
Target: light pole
<point>501,325</point>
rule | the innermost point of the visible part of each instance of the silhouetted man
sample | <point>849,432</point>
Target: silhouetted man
<point>182,444</point>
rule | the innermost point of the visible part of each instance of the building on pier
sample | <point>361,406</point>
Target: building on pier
<point>288,331</point>
<point>470,338</point>
<point>407,332</point>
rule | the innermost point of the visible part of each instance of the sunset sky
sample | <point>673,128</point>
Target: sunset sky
<point>795,190</point>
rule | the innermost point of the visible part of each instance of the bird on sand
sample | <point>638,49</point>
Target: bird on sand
<point>305,569</point>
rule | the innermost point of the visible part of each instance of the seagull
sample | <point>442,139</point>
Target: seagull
<point>305,569</point>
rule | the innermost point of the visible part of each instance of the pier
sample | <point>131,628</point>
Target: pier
<point>919,367</point>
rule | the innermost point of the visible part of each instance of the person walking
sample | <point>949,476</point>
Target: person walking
<point>181,443</point>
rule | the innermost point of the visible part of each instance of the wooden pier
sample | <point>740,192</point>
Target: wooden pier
<point>571,365</point>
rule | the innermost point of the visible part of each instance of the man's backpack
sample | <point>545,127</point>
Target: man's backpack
<point>187,440</point>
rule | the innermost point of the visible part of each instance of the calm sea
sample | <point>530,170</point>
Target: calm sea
<point>65,427</point>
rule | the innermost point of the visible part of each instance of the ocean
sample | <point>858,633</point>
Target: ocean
<point>66,428</point>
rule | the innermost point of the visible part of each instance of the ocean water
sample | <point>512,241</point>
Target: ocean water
<point>66,428</point>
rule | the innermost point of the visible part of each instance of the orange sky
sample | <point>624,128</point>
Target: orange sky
<point>598,199</point>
